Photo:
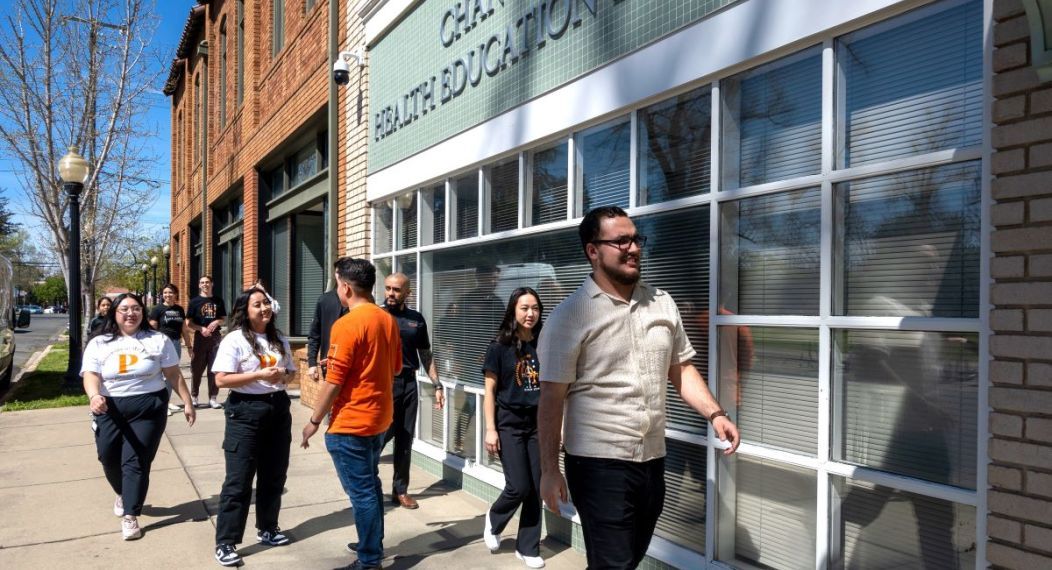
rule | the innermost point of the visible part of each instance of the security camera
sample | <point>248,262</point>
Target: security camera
<point>341,69</point>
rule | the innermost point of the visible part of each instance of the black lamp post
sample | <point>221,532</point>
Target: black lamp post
<point>154,261</point>
<point>145,276</point>
<point>74,170</point>
<point>167,251</point>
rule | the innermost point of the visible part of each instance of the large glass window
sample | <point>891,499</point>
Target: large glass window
<point>934,103</point>
<point>277,22</point>
<point>910,243</point>
<point>435,214</point>
<point>675,139</point>
<point>773,124</point>
<point>605,157</point>
<point>503,180</point>
<point>466,189</point>
<point>548,184</point>
<point>406,264</point>
<point>770,254</point>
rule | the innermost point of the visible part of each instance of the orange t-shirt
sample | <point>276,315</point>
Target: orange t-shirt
<point>365,353</point>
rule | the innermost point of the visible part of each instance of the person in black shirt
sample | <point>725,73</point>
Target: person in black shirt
<point>326,312</point>
<point>204,316</point>
<point>169,317</point>
<point>513,391</point>
<point>102,307</point>
<point>416,350</point>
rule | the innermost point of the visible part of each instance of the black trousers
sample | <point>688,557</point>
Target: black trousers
<point>619,503</point>
<point>256,444</point>
<point>520,458</point>
<point>205,348</point>
<point>126,438</point>
<point>402,431</point>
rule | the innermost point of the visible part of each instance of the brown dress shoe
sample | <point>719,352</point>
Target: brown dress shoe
<point>408,502</point>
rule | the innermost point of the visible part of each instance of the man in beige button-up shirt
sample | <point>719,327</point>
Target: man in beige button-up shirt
<point>605,355</point>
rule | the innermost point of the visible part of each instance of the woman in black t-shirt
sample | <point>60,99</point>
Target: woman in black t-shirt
<point>513,391</point>
<point>102,307</point>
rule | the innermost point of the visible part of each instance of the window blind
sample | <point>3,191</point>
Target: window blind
<point>437,196</point>
<point>549,180</point>
<point>779,122</point>
<point>770,254</point>
<point>769,385</point>
<point>885,529</point>
<point>408,228</point>
<point>675,141</point>
<point>504,196</point>
<point>384,225</point>
<point>935,102</point>
<point>279,277</point>
<point>467,189</point>
<point>407,265</point>
<point>683,520</point>
<point>910,243</point>
<point>605,157</point>
<point>308,272</point>
<point>907,403</point>
<point>430,422</point>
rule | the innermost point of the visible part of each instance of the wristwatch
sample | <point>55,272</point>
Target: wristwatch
<point>716,414</point>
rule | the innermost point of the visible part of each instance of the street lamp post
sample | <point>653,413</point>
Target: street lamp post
<point>167,251</point>
<point>145,275</point>
<point>154,261</point>
<point>74,170</point>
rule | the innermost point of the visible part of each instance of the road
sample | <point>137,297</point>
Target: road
<point>42,329</point>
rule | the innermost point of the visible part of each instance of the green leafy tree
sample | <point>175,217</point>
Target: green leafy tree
<point>52,291</point>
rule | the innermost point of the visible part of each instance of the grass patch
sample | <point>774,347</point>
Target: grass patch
<point>43,388</point>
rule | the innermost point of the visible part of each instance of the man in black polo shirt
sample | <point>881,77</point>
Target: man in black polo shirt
<point>326,312</point>
<point>204,316</point>
<point>416,350</point>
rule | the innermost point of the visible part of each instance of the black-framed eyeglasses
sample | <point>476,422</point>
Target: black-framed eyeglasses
<point>624,242</point>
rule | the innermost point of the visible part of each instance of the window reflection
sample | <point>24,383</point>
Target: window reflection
<point>674,139</point>
<point>407,221</point>
<point>881,527</point>
<point>549,183</point>
<point>910,244</point>
<point>773,127</point>
<point>504,195</point>
<point>382,230</point>
<point>769,250</point>
<point>906,403</point>
<point>467,191</point>
<point>605,156</point>
<point>435,205</point>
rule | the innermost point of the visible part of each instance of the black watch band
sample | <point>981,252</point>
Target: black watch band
<point>311,420</point>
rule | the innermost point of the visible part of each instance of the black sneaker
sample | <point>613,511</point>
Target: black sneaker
<point>357,565</point>
<point>272,537</point>
<point>352,547</point>
<point>226,555</point>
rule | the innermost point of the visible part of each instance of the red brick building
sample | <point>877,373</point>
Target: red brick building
<point>252,139</point>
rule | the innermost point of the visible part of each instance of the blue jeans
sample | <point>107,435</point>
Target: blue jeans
<point>357,461</point>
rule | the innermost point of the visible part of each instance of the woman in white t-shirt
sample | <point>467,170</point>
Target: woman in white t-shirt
<point>255,362</point>
<point>125,367</point>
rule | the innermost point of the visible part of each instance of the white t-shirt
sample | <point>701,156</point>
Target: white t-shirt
<point>130,365</point>
<point>236,356</point>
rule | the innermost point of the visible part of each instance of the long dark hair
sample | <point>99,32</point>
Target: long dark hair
<point>239,321</point>
<point>109,322</point>
<point>506,333</point>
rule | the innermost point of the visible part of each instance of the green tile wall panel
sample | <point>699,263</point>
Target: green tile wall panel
<point>412,53</point>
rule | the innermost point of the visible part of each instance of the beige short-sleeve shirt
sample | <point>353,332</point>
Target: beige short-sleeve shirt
<point>615,356</point>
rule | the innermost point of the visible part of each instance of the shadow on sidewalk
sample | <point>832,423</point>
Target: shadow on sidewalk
<point>191,511</point>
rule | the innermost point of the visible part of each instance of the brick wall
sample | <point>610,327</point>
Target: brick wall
<point>1020,472</point>
<point>282,94</point>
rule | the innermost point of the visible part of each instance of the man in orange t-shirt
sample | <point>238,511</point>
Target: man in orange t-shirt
<point>365,353</point>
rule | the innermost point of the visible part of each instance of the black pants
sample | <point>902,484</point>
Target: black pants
<point>205,348</point>
<point>520,458</point>
<point>619,503</point>
<point>256,444</point>
<point>402,431</point>
<point>126,438</point>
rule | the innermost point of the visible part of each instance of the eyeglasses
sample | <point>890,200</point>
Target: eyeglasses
<point>129,310</point>
<point>624,242</point>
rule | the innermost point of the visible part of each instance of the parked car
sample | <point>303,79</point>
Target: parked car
<point>35,309</point>
<point>49,310</point>
<point>7,324</point>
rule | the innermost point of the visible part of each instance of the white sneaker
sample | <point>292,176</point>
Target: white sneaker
<point>130,528</point>
<point>214,404</point>
<point>531,561</point>
<point>193,400</point>
<point>492,540</point>
<point>174,407</point>
<point>118,506</point>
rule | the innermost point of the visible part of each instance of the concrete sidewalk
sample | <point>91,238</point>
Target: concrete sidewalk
<point>56,506</point>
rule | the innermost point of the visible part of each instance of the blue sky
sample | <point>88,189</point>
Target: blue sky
<point>172,16</point>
